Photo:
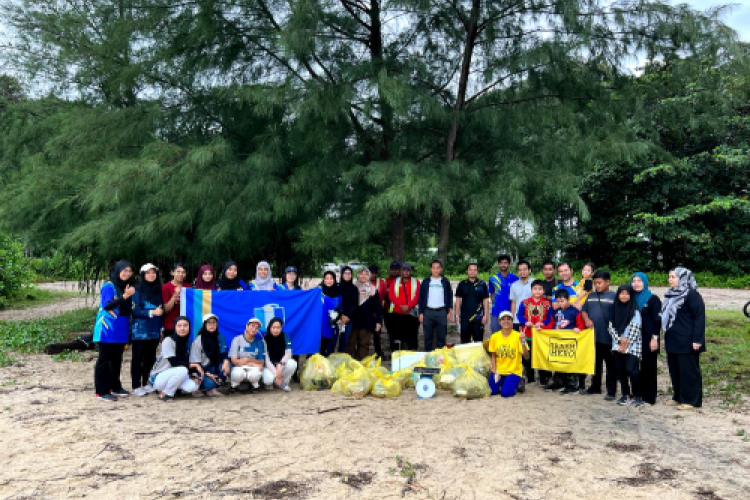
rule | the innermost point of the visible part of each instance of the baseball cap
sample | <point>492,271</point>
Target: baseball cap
<point>505,314</point>
<point>148,267</point>
<point>208,316</point>
<point>395,265</point>
<point>290,269</point>
<point>407,266</point>
<point>254,320</point>
<point>374,268</point>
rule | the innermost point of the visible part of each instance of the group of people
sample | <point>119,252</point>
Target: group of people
<point>627,325</point>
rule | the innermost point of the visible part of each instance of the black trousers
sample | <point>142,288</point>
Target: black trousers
<point>377,343</point>
<point>628,367</point>
<point>472,331</point>
<point>604,359</point>
<point>687,379</point>
<point>647,376</point>
<point>324,345</point>
<point>405,335</point>
<point>108,367</point>
<point>144,356</point>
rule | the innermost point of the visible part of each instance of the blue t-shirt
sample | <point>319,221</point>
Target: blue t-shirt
<point>571,290</point>
<point>500,291</point>
<point>565,319</point>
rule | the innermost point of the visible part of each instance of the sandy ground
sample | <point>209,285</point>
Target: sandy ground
<point>59,442</point>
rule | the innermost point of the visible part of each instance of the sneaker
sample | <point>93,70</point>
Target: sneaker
<point>610,397</point>
<point>107,397</point>
<point>589,391</point>
<point>567,390</point>
<point>522,386</point>
<point>254,389</point>
<point>120,393</point>
<point>624,401</point>
<point>285,387</point>
<point>141,391</point>
<point>638,402</point>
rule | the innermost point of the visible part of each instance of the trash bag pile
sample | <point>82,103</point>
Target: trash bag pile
<point>318,374</point>
<point>471,385</point>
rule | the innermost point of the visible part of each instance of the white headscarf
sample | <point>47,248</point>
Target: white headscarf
<point>366,289</point>
<point>263,283</point>
<point>675,297</point>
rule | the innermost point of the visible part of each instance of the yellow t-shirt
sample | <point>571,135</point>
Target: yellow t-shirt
<point>508,353</point>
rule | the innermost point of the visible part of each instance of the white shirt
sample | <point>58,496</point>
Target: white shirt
<point>519,291</point>
<point>436,295</point>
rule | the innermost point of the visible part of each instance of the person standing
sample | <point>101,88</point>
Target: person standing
<point>534,312</point>
<point>229,279</point>
<point>394,272</point>
<point>472,304</point>
<point>349,300</point>
<point>404,297</point>
<point>683,319</point>
<point>206,279</point>
<point>435,306</point>
<point>649,305</point>
<point>170,296</point>
<point>146,329</point>
<point>290,279</point>
<point>567,282</point>
<point>368,320</point>
<point>263,278</point>
<point>499,289</point>
<point>520,291</point>
<point>331,297</point>
<point>112,330</point>
<point>597,313</point>
<point>625,330</point>
<point>382,288</point>
<point>550,282</point>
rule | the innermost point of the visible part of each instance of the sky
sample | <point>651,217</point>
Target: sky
<point>738,17</point>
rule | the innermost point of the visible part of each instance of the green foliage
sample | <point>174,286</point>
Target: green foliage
<point>31,336</point>
<point>726,362</point>
<point>58,266</point>
<point>15,276</point>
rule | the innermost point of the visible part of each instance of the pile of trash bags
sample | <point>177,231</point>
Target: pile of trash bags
<point>463,372</point>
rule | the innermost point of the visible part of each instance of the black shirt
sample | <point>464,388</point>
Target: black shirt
<point>689,326</point>
<point>472,299</point>
<point>549,288</point>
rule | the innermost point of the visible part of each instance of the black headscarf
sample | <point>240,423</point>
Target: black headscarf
<point>225,283</point>
<point>114,276</point>
<point>349,293</point>
<point>332,291</point>
<point>623,314</point>
<point>276,345</point>
<point>182,351</point>
<point>150,292</point>
<point>210,342</point>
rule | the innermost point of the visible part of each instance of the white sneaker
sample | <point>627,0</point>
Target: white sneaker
<point>285,387</point>
<point>142,391</point>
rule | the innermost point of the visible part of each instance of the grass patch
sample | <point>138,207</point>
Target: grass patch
<point>726,364</point>
<point>28,337</point>
<point>33,297</point>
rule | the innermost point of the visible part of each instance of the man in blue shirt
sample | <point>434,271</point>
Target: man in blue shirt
<point>499,288</point>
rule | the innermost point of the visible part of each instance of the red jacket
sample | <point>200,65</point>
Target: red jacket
<point>398,298</point>
<point>382,291</point>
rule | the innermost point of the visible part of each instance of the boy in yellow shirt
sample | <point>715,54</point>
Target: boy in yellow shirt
<point>506,349</point>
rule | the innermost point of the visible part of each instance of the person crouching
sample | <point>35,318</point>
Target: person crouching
<point>247,354</point>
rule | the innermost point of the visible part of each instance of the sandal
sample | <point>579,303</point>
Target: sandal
<point>166,398</point>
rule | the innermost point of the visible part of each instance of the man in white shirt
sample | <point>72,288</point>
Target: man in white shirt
<point>520,290</point>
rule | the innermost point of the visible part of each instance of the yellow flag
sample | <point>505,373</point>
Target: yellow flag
<point>563,351</point>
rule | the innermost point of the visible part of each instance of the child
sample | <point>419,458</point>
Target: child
<point>568,317</point>
<point>625,329</point>
<point>534,312</point>
<point>208,356</point>
<point>585,286</point>
<point>506,373</point>
<point>597,313</point>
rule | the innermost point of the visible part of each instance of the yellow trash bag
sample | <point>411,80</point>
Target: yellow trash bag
<point>386,387</point>
<point>379,369</point>
<point>371,361</point>
<point>481,363</point>
<point>464,352</point>
<point>397,354</point>
<point>318,374</point>
<point>350,366</point>
<point>412,382</point>
<point>402,376</point>
<point>439,357</point>
<point>448,375</point>
<point>339,358</point>
<point>356,384</point>
<point>471,385</point>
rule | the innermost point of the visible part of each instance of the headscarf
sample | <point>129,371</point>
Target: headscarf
<point>332,291</point>
<point>623,314</point>
<point>205,285</point>
<point>263,283</point>
<point>675,297</point>
<point>349,292</point>
<point>114,276</point>
<point>275,345</point>
<point>225,283</point>
<point>182,351</point>
<point>150,291</point>
<point>366,289</point>
<point>642,297</point>
<point>210,341</point>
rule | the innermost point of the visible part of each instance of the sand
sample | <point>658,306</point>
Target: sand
<point>60,442</point>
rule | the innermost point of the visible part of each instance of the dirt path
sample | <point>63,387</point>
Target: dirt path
<point>536,446</point>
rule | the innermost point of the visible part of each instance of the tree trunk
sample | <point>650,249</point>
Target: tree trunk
<point>450,150</point>
<point>398,246</point>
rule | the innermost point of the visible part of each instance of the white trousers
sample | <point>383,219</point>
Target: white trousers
<point>172,379</point>
<point>241,373</point>
<point>287,371</point>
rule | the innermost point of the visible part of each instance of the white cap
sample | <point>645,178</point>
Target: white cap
<point>504,314</point>
<point>254,320</point>
<point>208,316</point>
<point>148,267</point>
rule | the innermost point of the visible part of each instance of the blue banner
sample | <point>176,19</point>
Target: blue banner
<point>301,311</point>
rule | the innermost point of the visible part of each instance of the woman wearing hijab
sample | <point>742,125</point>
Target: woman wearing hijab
<point>206,279</point>
<point>625,329</point>
<point>229,279</point>
<point>170,372</point>
<point>208,356</point>
<point>279,363</point>
<point>649,305</point>
<point>331,302</point>
<point>349,303</point>
<point>683,319</point>
<point>368,319</point>
<point>112,330</point>
<point>146,331</point>
<point>263,279</point>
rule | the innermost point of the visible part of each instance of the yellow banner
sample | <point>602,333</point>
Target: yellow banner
<point>563,351</point>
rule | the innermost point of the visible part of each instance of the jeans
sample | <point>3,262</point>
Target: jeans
<point>435,327</point>
<point>207,384</point>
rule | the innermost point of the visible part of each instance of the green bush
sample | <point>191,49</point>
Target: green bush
<point>14,273</point>
<point>58,266</point>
